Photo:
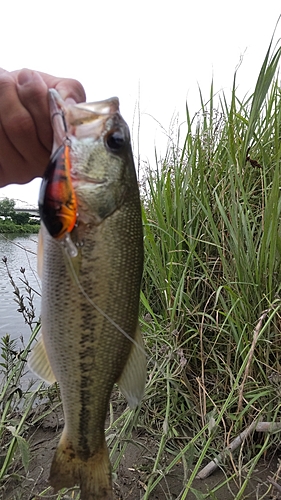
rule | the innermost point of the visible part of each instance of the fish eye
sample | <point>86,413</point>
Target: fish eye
<point>115,140</point>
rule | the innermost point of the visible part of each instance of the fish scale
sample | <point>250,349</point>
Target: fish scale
<point>90,301</point>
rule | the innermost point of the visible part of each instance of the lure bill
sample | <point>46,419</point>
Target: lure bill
<point>90,297</point>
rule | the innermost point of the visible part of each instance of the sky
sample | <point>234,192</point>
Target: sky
<point>152,54</point>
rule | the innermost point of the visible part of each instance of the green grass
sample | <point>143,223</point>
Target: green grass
<point>211,300</point>
<point>212,274</point>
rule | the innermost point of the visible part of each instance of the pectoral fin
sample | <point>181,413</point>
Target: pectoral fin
<point>132,381</point>
<point>39,363</point>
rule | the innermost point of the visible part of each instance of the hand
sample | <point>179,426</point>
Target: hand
<point>26,134</point>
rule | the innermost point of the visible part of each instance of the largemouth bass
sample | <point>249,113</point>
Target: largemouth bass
<point>91,275</point>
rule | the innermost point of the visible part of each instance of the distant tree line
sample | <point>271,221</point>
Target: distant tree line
<point>13,221</point>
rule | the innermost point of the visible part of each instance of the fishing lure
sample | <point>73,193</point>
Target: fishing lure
<point>57,200</point>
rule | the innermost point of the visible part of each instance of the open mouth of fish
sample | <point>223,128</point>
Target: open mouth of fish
<point>85,119</point>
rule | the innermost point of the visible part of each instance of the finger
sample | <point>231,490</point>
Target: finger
<point>7,150</point>
<point>13,167</point>
<point>16,120</point>
<point>33,94</point>
<point>70,89</point>
<point>19,139</point>
<point>67,87</point>
<point>32,91</point>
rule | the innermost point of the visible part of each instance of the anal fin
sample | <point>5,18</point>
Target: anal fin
<point>132,381</point>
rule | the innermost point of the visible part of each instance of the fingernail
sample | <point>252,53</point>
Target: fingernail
<point>25,76</point>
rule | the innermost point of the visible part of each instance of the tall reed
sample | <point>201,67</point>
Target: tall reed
<point>211,288</point>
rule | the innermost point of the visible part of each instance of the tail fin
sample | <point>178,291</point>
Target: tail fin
<point>92,475</point>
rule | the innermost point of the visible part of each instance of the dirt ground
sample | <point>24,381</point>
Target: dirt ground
<point>130,480</point>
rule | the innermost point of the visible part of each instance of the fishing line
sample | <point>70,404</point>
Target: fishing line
<point>100,311</point>
<point>113,323</point>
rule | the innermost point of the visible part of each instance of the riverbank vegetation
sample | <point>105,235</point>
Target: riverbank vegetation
<point>210,313</point>
<point>7,226</point>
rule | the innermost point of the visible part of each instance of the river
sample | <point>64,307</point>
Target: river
<point>21,252</point>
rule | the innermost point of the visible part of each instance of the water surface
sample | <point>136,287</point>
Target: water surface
<point>21,252</point>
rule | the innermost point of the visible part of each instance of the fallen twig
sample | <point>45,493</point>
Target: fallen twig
<point>255,426</point>
<point>256,333</point>
<point>276,485</point>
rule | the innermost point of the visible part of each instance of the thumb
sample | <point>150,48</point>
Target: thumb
<point>70,89</point>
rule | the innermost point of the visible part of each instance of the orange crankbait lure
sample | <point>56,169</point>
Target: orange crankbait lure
<point>57,201</point>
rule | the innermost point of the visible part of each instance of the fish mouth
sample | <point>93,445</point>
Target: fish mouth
<point>89,119</point>
<point>83,120</point>
<point>100,108</point>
